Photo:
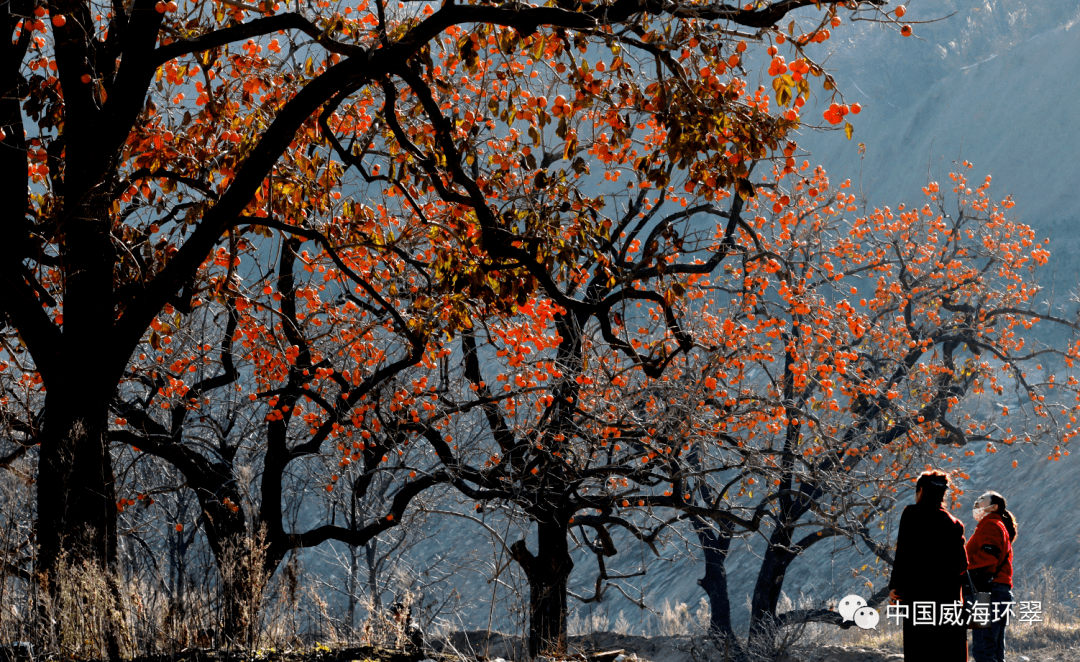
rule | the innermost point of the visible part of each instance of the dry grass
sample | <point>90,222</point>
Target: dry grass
<point>1051,635</point>
<point>887,636</point>
<point>1043,637</point>
<point>87,605</point>
<point>1058,631</point>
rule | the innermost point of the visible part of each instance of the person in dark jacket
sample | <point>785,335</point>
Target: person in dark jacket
<point>990,557</point>
<point>929,566</point>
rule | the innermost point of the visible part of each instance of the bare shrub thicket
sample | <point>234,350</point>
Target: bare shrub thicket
<point>166,593</point>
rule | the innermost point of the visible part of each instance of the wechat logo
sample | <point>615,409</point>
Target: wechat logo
<point>853,608</point>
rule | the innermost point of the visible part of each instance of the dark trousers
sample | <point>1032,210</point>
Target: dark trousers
<point>988,645</point>
<point>934,643</point>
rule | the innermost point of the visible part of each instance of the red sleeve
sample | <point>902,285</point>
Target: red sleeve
<point>962,556</point>
<point>989,535</point>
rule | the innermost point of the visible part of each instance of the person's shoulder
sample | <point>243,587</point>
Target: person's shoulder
<point>953,519</point>
<point>949,519</point>
<point>996,523</point>
<point>992,522</point>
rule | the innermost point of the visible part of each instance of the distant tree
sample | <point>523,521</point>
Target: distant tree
<point>273,385</point>
<point>862,347</point>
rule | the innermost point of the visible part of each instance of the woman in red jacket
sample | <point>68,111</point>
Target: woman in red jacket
<point>990,556</point>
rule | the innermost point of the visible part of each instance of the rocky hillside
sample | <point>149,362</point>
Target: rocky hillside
<point>989,85</point>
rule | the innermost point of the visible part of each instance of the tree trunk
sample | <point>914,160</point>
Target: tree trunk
<point>548,572</point>
<point>246,567</point>
<point>244,559</point>
<point>177,548</point>
<point>767,590</point>
<point>80,369</point>
<point>715,545</point>
<point>76,491</point>
<point>373,574</point>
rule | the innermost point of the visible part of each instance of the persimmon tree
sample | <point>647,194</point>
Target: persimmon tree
<point>155,135</point>
<point>560,239</point>
<point>860,347</point>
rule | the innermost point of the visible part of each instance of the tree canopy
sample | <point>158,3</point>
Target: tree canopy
<point>335,220</point>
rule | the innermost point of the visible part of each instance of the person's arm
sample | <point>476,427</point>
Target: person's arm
<point>986,546</point>
<point>985,550</point>
<point>898,578</point>
<point>961,559</point>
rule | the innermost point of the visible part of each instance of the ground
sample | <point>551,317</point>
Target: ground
<point>1058,644</point>
<point>1045,644</point>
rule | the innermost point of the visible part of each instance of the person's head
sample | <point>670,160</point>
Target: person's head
<point>931,487</point>
<point>992,502</point>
